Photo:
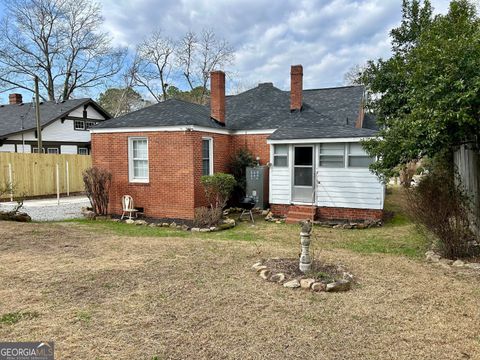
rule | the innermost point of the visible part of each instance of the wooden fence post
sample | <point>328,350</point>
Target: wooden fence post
<point>58,186</point>
<point>68,178</point>
<point>10,180</point>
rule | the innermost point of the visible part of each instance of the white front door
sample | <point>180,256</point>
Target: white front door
<point>303,172</point>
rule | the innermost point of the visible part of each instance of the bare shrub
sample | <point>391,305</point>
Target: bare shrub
<point>97,186</point>
<point>207,216</point>
<point>439,206</point>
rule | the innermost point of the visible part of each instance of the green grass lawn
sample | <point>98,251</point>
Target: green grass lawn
<point>398,236</point>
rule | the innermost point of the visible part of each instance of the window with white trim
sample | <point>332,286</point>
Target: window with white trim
<point>82,151</point>
<point>35,150</point>
<point>89,124</point>
<point>79,125</point>
<point>332,155</point>
<point>280,155</point>
<point>207,156</point>
<point>358,157</point>
<point>138,159</point>
<point>52,151</point>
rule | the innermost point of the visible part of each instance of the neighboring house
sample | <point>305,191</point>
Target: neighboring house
<point>65,125</point>
<point>310,138</point>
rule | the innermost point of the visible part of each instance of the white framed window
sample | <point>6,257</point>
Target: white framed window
<point>138,159</point>
<point>89,124</point>
<point>82,151</point>
<point>52,151</point>
<point>280,155</point>
<point>358,157</point>
<point>332,155</point>
<point>35,150</point>
<point>207,156</point>
<point>79,124</point>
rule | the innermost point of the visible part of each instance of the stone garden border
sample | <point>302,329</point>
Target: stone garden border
<point>306,283</point>
<point>227,223</point>
<point>432,257</point>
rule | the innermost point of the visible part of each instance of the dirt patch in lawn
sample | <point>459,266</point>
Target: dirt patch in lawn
<point>319,271</point>
<point>101,295</point>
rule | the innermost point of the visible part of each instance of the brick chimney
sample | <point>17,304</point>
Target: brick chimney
<point>217,96</point>
<point>296,87</point>
<point>15,99</point>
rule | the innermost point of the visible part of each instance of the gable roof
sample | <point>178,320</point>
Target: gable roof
<point>17,118</point>
<point>332,111</point>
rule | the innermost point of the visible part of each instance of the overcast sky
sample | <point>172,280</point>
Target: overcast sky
<point>326,36</point>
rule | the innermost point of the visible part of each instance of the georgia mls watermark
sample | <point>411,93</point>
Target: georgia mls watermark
<point>40,350</point>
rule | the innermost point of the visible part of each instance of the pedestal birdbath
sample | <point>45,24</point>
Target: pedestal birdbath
<point>305,259</point>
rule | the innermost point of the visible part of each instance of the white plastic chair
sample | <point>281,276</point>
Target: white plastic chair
<point>127,206</point>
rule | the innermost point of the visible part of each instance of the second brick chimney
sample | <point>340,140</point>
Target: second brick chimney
<point>296,87</point>
<point>15,99</point>
<point>217,96</point>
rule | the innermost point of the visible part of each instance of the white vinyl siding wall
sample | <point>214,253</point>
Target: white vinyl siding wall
<point>280,179</point>
<point>344,187</point>
<point>354,188</point>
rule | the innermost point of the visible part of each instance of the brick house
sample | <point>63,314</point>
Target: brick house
<point>309,138</point>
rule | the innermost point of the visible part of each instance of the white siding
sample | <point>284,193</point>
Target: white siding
<point>91,113</point>
<point>24,148</point>
<point>280,181</point>
<point>7,148</point>
<point>349,188</point>
<point>68,149</point>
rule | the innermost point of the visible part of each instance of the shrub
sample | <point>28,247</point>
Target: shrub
<point>97,186</point>
<point>218,188</point>
<point>237,167</point>
<point>439,205</point>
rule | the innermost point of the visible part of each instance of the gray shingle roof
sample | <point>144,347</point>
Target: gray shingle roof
<point>20,117</point>
<point>263,107</point>
<point>324,131</point>
<point>168,113</point>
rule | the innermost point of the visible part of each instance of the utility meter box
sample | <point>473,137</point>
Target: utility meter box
<point>257,185</point>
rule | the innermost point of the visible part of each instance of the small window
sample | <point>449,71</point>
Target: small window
<point>138,159</point>
<point>357,156</point>
<point>89,124</point>
<point>82,151</point>
<point>79,125</point>
<point>35,150</point>
<point>52,151</point>
<point>280,155</point>
<point>207,161</point>
<point>332,155</point>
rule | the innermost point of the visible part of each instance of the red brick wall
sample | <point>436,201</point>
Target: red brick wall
<point>170,191</point>
<point>279,209</point>
<point>221,155</point>
<point>257,144</point>
<point>331,213</point>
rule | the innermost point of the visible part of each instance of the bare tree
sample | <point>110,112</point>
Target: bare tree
<point>353,76</point>
<point>213,53</point>
<point>153,64</point>
<point>58,41</point>
<point>185,54</point>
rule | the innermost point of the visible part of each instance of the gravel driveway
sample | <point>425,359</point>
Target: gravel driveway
<point>49,210</point>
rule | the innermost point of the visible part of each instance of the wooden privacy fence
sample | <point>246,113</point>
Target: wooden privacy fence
<point>37,174</point>
<point>467,162</point>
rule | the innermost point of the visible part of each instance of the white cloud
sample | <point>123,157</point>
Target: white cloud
<point>327,37</point>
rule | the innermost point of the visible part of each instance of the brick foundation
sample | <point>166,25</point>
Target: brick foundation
<point>330,213</point>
